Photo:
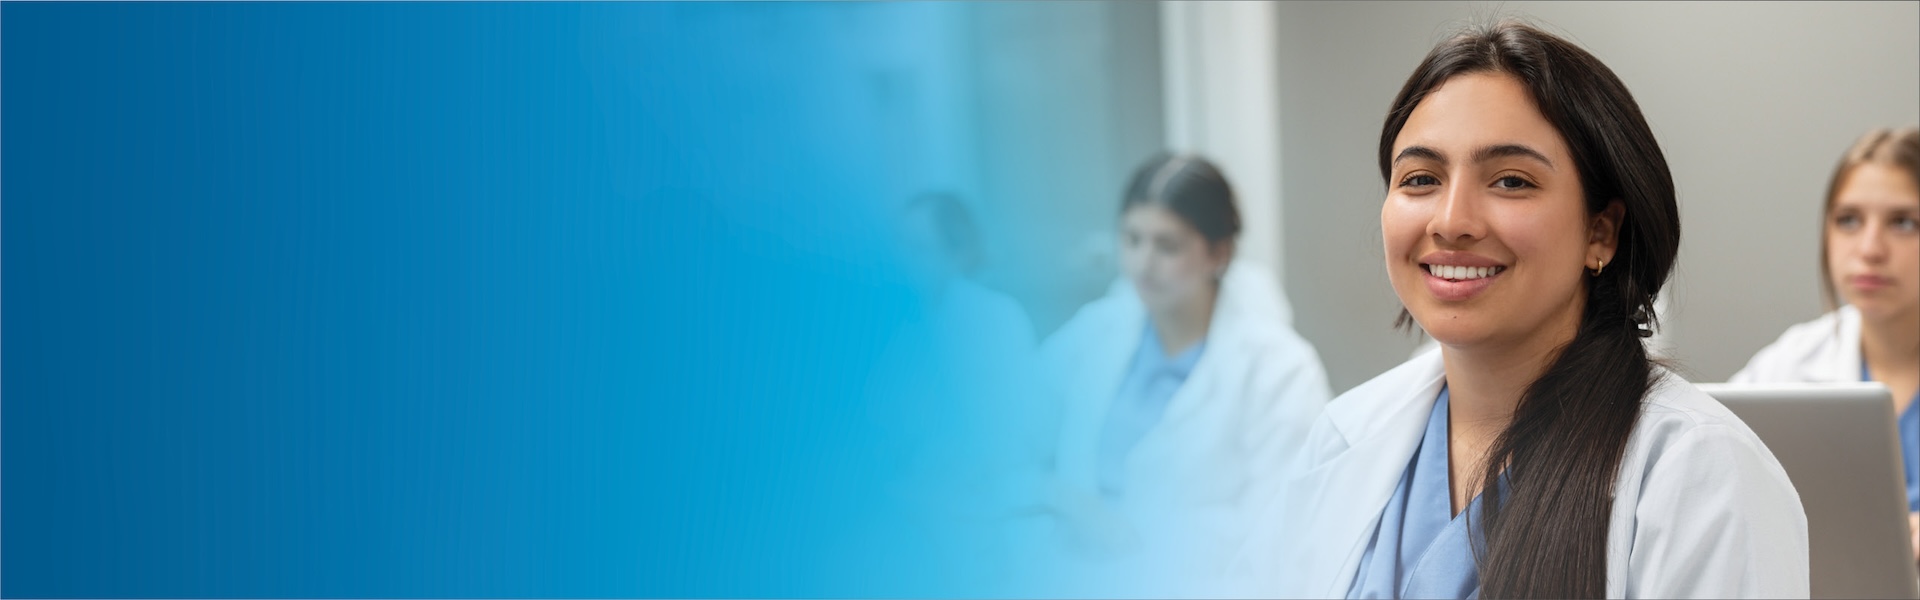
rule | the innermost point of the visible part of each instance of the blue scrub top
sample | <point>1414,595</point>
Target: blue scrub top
<point>1151,380</point>
<point>1420,549</point>
<point>1909,426</point>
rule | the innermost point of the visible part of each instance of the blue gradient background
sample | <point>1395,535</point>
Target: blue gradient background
<point>461,300</point>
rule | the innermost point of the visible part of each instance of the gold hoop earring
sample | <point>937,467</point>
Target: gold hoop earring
<point>1600,265</point>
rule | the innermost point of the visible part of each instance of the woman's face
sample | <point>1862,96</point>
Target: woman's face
<point>1487,234</point>
<point>1170,264</point>
<point>1873,247</point>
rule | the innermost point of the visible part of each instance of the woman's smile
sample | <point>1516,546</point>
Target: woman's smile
<point>1459,276</point>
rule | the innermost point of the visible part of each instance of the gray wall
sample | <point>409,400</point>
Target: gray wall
<point>1753,103</point>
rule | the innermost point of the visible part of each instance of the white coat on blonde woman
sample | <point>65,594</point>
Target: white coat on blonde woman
<point>1824,350</point>
<point>1217,451</point>
<point>1701,508</point>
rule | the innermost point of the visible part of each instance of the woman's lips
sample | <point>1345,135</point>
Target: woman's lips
<point>1454,283</point>
<point>1869,283</point>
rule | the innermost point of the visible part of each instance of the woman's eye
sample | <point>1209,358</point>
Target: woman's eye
<point>1512,182</point>
<point>1419,181</point>
<point>1904,223</point>
<point>1846,221</point>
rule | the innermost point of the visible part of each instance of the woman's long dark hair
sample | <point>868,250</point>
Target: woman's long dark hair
<point>1546,533</point>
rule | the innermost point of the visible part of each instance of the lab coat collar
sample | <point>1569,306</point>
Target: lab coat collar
<point>1839,359</point>
<point>1248,293</point>
<point>1249,312</point>
<point>1383,404</point>
<point>1379,426</point>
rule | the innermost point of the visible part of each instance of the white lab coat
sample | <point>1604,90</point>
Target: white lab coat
<point>1192,480</point>
<point>1824,350</point>
<point>1701,507</point>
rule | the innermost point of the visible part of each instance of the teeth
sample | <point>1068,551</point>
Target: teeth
<point>1458,273</point>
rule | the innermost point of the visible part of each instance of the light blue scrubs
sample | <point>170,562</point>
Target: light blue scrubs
<point>1151,380</point>
<point>1421,549</point>
<point>1909,426</point>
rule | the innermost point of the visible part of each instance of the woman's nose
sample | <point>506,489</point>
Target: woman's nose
<point>1872,243</point>
<point>1457,217</point>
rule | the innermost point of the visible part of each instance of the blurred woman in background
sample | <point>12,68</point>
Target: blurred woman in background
<point>1870,260</point>
<point>1185,387</point>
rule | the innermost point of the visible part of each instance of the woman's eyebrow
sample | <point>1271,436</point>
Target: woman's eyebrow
<point>1873,205</point>
<point>1482,155</point>
<point>1511,151</point>
<point>1419,152</point>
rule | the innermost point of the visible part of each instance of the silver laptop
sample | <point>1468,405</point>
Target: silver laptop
<point>1840,448</point>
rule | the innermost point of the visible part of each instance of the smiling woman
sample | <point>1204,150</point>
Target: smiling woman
<point>1529,223</point>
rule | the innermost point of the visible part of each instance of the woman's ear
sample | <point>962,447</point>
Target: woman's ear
<point>1603,230</point>
<point>1222,254</point>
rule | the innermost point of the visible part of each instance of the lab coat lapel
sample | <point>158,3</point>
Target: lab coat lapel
<point>1247,298</point>
<point>1197,402</point>
<point>1839,357</point>
<point>1382,424</point>
<point>1220,362</point>
<point>1101,374</point>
